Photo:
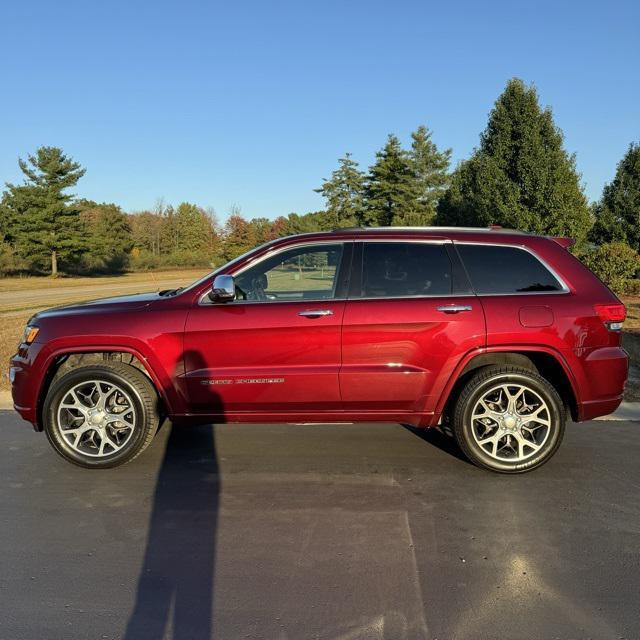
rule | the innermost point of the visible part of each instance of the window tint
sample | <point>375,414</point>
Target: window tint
<point>395,269</point>
<point>494,269</point>
<point>303,273</point>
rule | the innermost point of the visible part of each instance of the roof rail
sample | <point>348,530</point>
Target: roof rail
<point>489,229</point>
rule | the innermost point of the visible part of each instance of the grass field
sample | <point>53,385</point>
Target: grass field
<point>22,297</point>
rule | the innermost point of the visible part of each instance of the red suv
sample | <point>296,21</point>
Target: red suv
<point>500,334</point>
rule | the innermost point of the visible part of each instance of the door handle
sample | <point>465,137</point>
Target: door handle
<point>316,313</point>
<point>454,308</point>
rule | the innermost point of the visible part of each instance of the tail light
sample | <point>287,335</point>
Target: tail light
<point>613,315</point>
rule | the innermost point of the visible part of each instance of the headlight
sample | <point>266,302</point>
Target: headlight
<point>30,333</point>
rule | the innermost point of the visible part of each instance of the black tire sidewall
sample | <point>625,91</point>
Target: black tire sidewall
<point>473,450</point>
<point>61,388</point>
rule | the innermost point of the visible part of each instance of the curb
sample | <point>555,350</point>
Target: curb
<point>626,412</point>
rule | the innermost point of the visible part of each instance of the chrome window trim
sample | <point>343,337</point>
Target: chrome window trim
<point>565,289</point>
<point>204,298</point>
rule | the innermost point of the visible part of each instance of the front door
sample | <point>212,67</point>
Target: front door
<point>408,321</point>
<point>277,347</point>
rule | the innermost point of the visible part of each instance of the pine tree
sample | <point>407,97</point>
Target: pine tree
<point>520,176</point>
<point>617,214</point>
<point>344,194</point>
<point>431,169</point>
<point>40,219</point>
<point>391,191</point>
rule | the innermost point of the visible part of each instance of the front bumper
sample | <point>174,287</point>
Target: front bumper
<point>24,386</point>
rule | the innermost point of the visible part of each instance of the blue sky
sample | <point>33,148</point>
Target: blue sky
<point>251,103</point>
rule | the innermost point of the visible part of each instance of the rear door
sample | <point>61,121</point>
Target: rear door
<point>410,316</point>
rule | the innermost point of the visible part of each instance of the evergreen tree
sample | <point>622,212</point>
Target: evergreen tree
<point>617,215</point>
<point>40,219</point>
<point>344,194</point>
<point>520,176</point>
<point>109,238</point>
<point>431,169</point>
<point>391,192</point>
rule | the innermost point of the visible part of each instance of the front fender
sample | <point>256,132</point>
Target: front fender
<point>32,369</point>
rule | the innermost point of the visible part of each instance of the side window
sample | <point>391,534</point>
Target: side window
<point>401,269</point>
<point>500,270</point>
<point>303,273</point>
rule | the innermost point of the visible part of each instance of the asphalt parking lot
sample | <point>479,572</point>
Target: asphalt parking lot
<point>347,532</point>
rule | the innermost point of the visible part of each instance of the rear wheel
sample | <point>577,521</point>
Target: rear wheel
<point>101,416</point>
<point>508,419</point>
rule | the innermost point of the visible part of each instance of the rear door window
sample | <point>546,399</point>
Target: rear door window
<point>404,269</point>
<point>502,270</point>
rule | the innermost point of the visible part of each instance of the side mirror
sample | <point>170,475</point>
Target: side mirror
<point>223,289</point>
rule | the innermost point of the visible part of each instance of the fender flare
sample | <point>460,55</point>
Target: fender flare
<point>469,356</point>
<point>163,385</point>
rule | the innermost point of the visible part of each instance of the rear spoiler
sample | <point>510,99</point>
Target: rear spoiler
<point>563,241</point>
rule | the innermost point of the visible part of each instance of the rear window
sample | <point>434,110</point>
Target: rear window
<point>395,269</point>
<point>498,270</point>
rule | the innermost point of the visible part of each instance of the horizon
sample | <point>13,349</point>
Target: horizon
<point>252,106</point>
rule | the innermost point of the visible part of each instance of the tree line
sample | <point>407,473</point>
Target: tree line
<point>520,176</point>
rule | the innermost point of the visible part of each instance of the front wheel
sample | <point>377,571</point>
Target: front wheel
<point>508,419</point>
<point>101,416</point>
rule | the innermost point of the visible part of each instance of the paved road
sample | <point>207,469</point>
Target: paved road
<point>337,532</point>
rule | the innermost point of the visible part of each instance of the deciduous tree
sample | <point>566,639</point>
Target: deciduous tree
<point>109,238</point>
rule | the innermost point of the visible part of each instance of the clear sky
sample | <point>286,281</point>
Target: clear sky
<point>252,103</point>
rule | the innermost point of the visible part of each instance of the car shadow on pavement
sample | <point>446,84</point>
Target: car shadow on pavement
<point>440,439</point>
<point>175,587</point>
<point>178,568</point>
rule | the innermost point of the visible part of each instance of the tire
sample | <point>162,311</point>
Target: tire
<point>508,419</point>
<point>101,416</point>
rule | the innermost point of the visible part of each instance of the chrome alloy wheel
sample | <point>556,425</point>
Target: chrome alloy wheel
<point>511,422</point>
<point>96,418</point>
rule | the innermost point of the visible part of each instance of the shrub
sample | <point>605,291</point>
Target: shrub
<point>615,263</point>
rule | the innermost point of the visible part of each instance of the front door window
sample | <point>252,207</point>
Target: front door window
<point>301,273</point>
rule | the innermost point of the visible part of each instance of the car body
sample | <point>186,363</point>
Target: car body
<point>398,319</point>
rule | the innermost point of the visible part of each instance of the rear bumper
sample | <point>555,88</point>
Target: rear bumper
<point>605,374</point>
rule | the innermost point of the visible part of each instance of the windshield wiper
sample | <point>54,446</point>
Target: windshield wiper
<point>170,292</point>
